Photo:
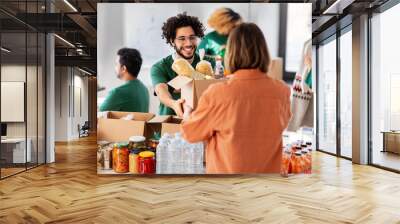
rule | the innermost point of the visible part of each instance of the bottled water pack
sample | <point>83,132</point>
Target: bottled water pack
<point>176,156</point>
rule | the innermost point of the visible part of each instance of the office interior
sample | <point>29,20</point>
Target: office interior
<point>49,85</point>
<point>28,49</point>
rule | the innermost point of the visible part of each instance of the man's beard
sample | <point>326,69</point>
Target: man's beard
<point>178,51</point>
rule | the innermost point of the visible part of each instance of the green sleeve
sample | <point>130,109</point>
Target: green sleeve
<point>111,103</point>
<point>157,75</point>
<point>308,79</point>
<point>203,45</point>
<point>211,60</point>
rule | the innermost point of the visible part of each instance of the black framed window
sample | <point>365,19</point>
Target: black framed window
<point>334,94</point>
<point>327,95</point>
<point>22,77</point>
<point>384,112</point>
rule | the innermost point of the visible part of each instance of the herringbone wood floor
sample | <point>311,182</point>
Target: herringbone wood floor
<point>70,191</point>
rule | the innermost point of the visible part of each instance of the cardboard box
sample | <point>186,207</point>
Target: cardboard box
<point>191,90</point>
<point>163,124</point>
<point>114,129</point>
<point>276,68</point>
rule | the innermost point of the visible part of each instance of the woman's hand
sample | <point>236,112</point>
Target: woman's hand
<point>187,110</point>
<point>177,107</point>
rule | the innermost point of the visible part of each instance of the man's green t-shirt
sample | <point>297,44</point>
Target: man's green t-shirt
<point>132,96</point>
<point>214,44</point>
<point>161,72</point>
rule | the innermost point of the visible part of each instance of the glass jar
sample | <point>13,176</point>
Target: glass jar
<point>133,161</point>
<point>121,158</point>
<point>306,161</point>
<point>108,158</point>
<point>286,155</point>
<point>297,163</point>
<point>147,162</point>
<point>104,156</point>
<point>137,142</point>
<point>153,143</point>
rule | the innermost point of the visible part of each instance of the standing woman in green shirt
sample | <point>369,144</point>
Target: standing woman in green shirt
<point>222,20</point>
<point>132,96</point>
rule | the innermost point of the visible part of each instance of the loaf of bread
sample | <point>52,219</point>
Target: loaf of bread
<point>205,68</point>
<point>182,67</point>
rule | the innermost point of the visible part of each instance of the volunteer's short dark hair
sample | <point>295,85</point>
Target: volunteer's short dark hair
<point>247,49</point>
<point>132,60</point>
<point>181,20</point>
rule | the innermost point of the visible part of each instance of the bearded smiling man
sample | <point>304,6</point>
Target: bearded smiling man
<point>182,32</point>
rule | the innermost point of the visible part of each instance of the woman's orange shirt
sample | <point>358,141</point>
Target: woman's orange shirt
<point>241,121</point>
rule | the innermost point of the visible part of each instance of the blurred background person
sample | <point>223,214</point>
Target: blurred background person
<point>306,66</point>
<point>222,20</point>
<point>243,129</point>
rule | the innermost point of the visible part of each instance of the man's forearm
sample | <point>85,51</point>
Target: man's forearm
<point>164,96</point>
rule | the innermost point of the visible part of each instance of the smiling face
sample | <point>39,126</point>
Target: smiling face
<point>185,42</point>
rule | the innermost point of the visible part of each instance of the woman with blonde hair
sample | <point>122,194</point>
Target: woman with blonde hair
<point>222,20</point>
<point>242,120</point>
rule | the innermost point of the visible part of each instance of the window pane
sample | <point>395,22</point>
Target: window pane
<point>346,93</point>
<point>14,153</point>
<point>327,97</point>
<point>298,32</point>
<point>385,86</point>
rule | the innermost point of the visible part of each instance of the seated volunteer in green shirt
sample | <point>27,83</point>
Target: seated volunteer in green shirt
<point>182,32</point>
<point>222,20</point>
<point>132,96</point>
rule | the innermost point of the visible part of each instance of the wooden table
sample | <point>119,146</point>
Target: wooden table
<point>391,141</point>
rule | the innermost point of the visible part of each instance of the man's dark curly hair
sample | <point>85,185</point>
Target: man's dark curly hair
<point>181,20</point>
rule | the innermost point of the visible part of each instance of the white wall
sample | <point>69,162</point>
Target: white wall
<point>139,26</point>
<point>33,127</point>
<point>16,73</point>
<point>70,83</point>
<point>61,103</point>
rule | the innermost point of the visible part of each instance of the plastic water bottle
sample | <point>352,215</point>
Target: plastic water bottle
<point>197,157</point>
<point>191,158</point>
<point>219,68</point>
<point>186,157</point>
<point>161,155</point>
<point>201,158</point>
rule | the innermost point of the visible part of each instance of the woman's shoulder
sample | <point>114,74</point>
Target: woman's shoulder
<point>216,89</point>
<point>281,86</point>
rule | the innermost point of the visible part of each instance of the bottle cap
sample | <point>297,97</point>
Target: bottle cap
<point>122,145</point>
<point>137,138</point>
<point>146,154</point>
